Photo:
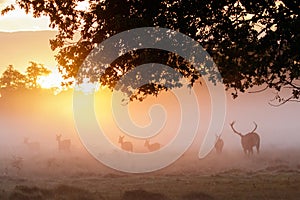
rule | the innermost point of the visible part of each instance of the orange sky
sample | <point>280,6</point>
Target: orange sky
<point>18,46</point>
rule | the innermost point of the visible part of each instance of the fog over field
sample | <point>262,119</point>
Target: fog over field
<point>40,116</point>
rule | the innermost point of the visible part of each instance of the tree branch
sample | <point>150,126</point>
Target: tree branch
<point>283,102</point>
<point>257,91</point>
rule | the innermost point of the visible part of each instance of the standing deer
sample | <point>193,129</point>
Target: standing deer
<point>248,140</point>
<point>219,144</point>
<point>17,162</point>
<point>152,147</point>
<point>127,146</point>
<point>32,146</point>
<point>63,145</point>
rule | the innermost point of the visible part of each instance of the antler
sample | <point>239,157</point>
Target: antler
<point>231,124</point>
<point>254,127</point>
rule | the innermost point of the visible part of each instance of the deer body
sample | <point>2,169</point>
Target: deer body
<point>127,146</point>
<point>17,162</point>
<point>152,147</point>
<point>32,146</point>
<point>63,145</point>
<point>248,140</point>
<point>219,145</point>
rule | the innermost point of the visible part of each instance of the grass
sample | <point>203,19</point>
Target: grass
<point>234,177</point>
<point>61,192</point>
<point>158,187</point>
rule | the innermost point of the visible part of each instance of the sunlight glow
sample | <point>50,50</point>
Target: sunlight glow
<point>82,6</point>
<point>87,87</point>
<point>52,80</point>
<point>55,79</point>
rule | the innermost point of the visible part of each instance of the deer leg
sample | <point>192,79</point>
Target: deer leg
<point>250,151</point>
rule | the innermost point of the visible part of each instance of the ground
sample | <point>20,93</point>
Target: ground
<point>230,175</point>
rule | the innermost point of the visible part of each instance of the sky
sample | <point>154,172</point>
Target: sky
<point>25,39</point>
<point>17,20</point>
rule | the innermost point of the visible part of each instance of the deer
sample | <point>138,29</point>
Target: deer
<point>248,140</point>
<point>127,146</point>
<point>219,144</point>
<point>32,146</point>
<point>17,162</point>
<point>63,145</point>
<point>152,147</point>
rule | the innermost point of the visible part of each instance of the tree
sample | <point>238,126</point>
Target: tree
<point>12,79</point>
<point>33,72</point>
<point>253,43</point>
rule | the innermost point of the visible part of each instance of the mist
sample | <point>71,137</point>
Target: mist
<point>40,116</point>
<point>71,172</point>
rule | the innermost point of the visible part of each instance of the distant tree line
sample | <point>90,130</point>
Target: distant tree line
<point>12,79</point>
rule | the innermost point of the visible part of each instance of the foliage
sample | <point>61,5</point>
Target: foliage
<point>12,79</point>
<point>33,72</point>
<point>253,43</point>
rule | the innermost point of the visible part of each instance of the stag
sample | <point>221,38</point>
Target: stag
<point>248,140</point>
<point>219,144</point>
<point>127,146</point>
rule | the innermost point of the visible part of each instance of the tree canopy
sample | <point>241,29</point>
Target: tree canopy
<point>253,43</point>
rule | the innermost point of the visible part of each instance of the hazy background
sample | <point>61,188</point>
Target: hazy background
<point>41,116</point>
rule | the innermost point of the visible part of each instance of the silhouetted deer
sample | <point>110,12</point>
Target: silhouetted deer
<point>17,162</point>
<point>219,144</point>
<point>152,147</point>
<point>127,146</point>
<point>63,145</point>
<point>248,140</point>
<point>32,146</point>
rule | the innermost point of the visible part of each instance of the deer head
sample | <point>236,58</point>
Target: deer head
<point>121,139</point>
<point>58,137</point>
<point>146,143</point>
<point>235,131</point>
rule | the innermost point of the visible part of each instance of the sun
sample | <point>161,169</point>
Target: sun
<point>52,80</point>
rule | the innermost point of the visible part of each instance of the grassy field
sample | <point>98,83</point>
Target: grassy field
<point>227,176</point>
